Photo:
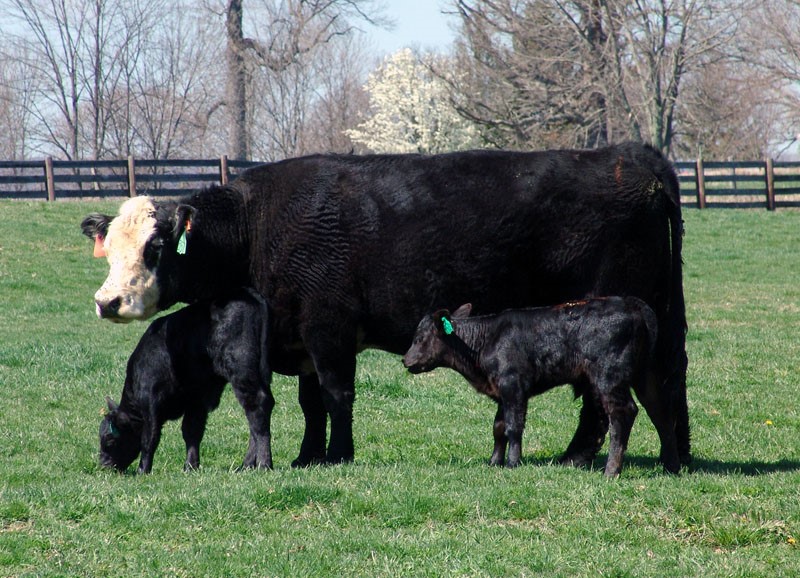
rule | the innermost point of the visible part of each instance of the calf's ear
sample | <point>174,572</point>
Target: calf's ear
<point>442,319</point>
<point>112,407</point>
<point>463,311</point>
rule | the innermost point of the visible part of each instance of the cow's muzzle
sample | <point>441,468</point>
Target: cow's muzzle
<point>109,309</point>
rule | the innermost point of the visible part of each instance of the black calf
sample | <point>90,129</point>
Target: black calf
<point>603,347</point>
<point>179,368</point>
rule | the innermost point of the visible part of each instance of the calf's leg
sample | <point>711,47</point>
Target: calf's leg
<point>622,412</point>
<point>257,401</point>
<point>193,427</point>
<point>515,404</point>
<point>589,436</point>
<point>151,436</point>
<point>500,439</point>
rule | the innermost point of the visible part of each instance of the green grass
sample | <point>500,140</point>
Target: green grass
<point>419,499</point>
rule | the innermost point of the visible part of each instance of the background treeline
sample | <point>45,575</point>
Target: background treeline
<point>269,79</point>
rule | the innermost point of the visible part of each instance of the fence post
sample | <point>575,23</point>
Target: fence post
<point>770,185</point>
<point>50,182</point>
<point>223,170</point>
<point>701,184</point>
<point>131,176</point>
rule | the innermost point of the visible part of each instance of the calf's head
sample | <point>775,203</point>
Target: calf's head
<point>430,345</point>
<point>141,245</point>
<point>120,438</point>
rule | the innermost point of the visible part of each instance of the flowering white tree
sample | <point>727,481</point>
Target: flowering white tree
<point>411,111</point>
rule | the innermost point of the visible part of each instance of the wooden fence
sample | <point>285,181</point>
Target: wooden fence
<point>768,184</point>
<point>741,184</point>
<point>51,179</point>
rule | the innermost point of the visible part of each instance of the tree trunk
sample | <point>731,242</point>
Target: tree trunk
<point>237,81</point>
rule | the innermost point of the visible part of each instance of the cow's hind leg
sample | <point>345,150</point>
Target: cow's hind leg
<point>312,449</point>
<point>500,439</point>
<point>681,405</point>
<point>622,412</point>
<point>591,432</point>
<point>659,407</point>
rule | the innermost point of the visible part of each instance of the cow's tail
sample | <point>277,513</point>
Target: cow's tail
<point>675,359</point>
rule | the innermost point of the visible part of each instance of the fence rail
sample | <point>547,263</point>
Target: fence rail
<point>704,184</point>
<point>742,184</point>
<point>52,179</point>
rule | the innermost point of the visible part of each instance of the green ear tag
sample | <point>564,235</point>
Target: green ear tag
<point>448,327</point>
<point>182,243</point>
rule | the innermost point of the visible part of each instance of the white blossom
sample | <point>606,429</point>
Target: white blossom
<point>411,111</point>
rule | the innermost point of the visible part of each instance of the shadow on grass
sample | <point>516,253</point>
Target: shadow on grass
<point>698,465</point>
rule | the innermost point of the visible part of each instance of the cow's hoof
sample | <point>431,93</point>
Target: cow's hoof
<point>576,460</point>
<point>336,460</point>
<point>305,462</point>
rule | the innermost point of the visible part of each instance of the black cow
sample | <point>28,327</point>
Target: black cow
<point>351,251</point>
<point>179,368</point>
<point>603,347</point>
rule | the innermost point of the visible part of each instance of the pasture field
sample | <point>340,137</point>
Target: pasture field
<point>420,499</point>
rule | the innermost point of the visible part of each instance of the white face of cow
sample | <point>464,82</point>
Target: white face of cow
<point>131,290</point>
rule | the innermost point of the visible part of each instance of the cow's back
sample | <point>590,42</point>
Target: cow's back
<point>385,239</point>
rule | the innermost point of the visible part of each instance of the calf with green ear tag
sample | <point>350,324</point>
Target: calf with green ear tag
<point>179,370</point>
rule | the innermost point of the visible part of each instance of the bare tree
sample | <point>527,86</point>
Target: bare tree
<point>339,98</point>
<point>584,72</point>
<point>270,72</point>
<point>17,89</point>
<point>770,48</point>
<point>175,88</point>
<point>76,48</point>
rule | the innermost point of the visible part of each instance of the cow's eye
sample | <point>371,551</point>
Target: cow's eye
<point>152,252</point>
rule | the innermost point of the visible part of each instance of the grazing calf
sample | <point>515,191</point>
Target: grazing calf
<point>179,368</point>
<point>603,347</point>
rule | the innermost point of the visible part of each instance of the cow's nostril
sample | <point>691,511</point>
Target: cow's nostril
<point>109,309</point>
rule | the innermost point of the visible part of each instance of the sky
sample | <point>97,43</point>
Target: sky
<point>418,24</point>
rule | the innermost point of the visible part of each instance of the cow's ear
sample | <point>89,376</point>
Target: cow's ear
<point>463,311</point>
<point>95,225</point>
<point>184,215</point>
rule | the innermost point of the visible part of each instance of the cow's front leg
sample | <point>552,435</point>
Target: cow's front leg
<point>500,439</point>
<point>193,427</point>
<point>312,449</point>
<point>333,350</point>
<point>338,393</point>
<point>589,436</point>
